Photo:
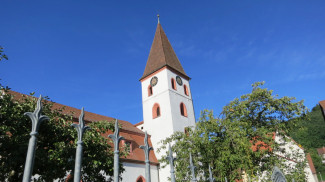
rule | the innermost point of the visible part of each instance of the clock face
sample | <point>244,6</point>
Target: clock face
<point>154,81</point>
<point>179,80</point>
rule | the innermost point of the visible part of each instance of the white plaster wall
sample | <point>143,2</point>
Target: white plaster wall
<point>294,152</point>
<point>133,171</point>
<point>160,127</point>
<point>141,127</point>
<point>171,119</point>
<point>177,97</point>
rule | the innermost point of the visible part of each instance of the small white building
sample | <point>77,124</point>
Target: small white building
<point>291,154</point>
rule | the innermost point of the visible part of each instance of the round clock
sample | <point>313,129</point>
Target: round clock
<point>179,80</point>
<point>154,81</point>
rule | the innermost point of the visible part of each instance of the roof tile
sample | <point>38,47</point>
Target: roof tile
<point>162,54</point>
<point>128,130</point>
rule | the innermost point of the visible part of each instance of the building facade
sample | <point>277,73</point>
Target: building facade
<point>166,95</point>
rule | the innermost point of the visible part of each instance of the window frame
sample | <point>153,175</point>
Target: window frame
<point>183,109</point>
<point>156,111</point>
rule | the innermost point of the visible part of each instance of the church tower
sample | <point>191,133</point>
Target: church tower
<point>166,94</point>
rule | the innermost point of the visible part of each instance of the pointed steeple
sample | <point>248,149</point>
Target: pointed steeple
<point>162,54</point>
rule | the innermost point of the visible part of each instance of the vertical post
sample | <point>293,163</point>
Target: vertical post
<point>146,150</point>
<point>192,167</point>
<point>211,179</point>
<point>116,139</point>
<point>171,159</point>
<point>37,119</point>
<point>81,128</point>
<point>321,178</point>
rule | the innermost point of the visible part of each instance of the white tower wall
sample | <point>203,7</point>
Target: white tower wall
<point>170,119</point>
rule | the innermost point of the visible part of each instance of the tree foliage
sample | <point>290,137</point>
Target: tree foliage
<point>311,135</point>
<point>56,147</point>
<point>2,55</point>
<point>226,143</point>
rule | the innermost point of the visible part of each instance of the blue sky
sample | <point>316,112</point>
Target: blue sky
<point>92,53</point>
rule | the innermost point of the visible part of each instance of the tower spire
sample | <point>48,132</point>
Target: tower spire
<point>162,54</point>
<point>158,18</point>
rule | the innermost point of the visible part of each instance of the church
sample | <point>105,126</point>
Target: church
<point>167,108</point>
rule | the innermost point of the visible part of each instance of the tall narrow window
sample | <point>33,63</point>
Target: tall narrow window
<point>183,109</point>
<point>185,90</point>
<point>150,92</point>
<point>173,84</point>
<point>186,131</point>
<point>156,111</point>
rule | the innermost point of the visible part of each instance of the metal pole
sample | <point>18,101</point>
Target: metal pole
<point>78,162</point>
<point>320,176</point>
<point>171,160</point>
<point>146,150</point>
<point>37,119</point>
<point>192,167</point>
<point>116,139</point>
<point>211,179</point>
<point>81,128</point>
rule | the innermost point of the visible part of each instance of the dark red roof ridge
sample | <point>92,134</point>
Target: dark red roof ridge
<point>162,54</point>
<point>311,164</point>
<point>89,116</point>
<point>137,124</point>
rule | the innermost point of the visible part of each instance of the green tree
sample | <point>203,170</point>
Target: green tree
<point>2,55</point>
<point>311,135</point>
<point>226,142</point>
<point>56,145</point>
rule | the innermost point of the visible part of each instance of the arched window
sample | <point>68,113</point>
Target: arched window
<point>140,179</point>
<point>185,90</point>
<point>156,111</point>
<point>186,131</point>
<point>173,84</point>
<point>150,92</point>
<point>183,109</point>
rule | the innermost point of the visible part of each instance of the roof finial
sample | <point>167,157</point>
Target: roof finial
<point>158,18</point>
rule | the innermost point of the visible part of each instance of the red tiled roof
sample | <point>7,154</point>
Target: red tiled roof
<point>128,130</point>
<point>161,55</point>
<point>322,104</point>
<point>311,164</point>
<point>140,123</point>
